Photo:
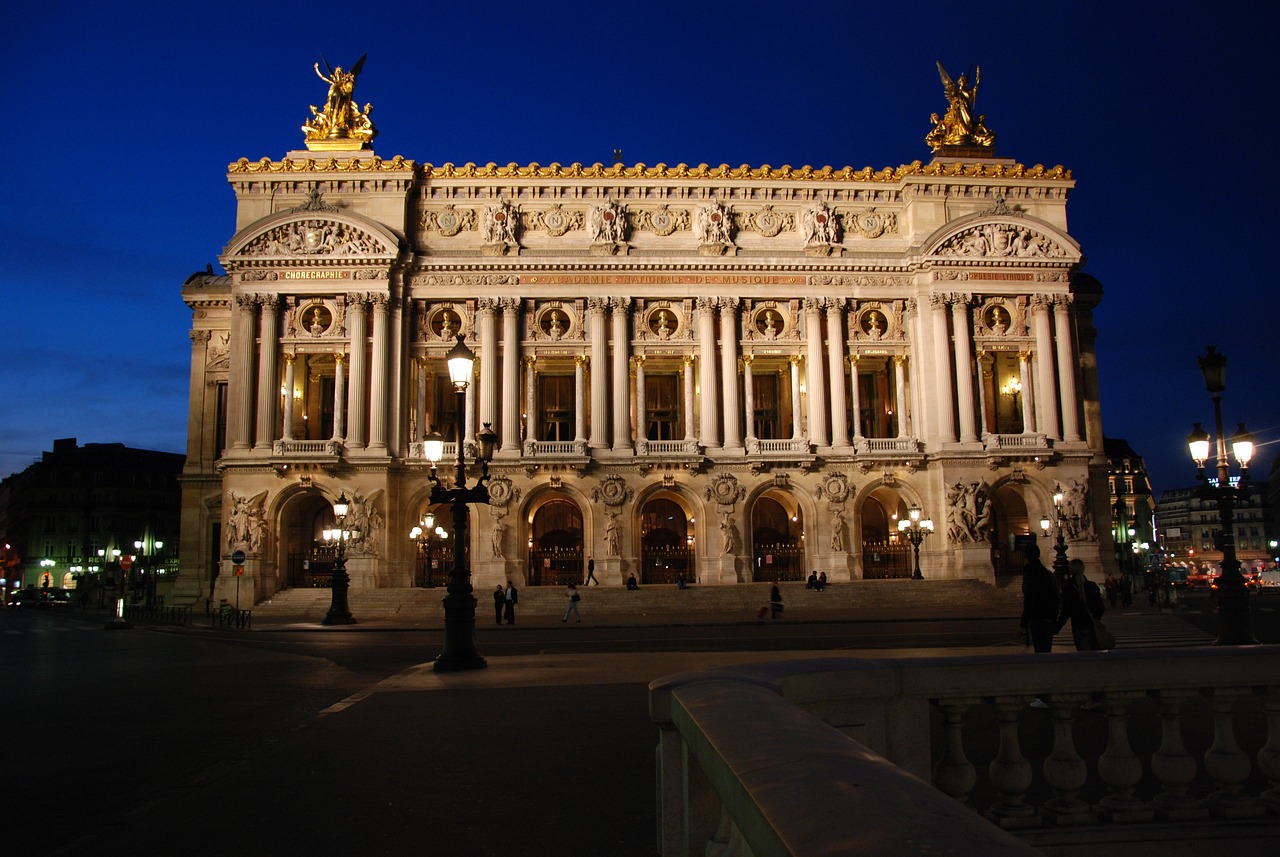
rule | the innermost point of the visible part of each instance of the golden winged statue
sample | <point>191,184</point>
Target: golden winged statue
<point>340,125</point>
<point>958,127</point>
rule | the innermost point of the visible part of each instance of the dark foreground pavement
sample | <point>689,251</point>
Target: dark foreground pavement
<point>538,754</point>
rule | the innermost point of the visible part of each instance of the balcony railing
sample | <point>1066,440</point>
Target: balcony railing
<point>883,445</point>
<point>556,448</point>
<point>1017,441</point>
<point>298,448</point>
<point>667,447</point>
<point>1134,746</point>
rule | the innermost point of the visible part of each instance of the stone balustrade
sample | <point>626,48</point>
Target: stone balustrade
<point>832,756</point>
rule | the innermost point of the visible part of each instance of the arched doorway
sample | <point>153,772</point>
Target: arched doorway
<point>1010,531</point>
<point>777,538</point>
<point>308,560</point>
<point>555,544</point>
<point>884,554</point>
<point>434,549</point>
<point>666,542</point>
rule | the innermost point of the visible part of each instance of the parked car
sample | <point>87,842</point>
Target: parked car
<point>54,598</point>
<point>26,597</point>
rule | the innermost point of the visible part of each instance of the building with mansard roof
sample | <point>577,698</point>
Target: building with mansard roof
<point>735,374</point>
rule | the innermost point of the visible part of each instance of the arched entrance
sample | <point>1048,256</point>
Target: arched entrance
<point>308,560</point>
<point>884,554</point>
<point>777,538</point>
<point>1010,531</point>
<point>434,549</point>
<point>666,542</point>
<point>555,544</point>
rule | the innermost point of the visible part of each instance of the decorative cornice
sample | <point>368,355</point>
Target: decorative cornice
<point>325,165</point>
<point>974,169</point>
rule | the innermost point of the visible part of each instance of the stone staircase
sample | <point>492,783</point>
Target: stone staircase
<point>866,599</point>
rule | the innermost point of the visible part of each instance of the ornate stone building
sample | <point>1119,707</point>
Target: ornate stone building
<point>732,373</point>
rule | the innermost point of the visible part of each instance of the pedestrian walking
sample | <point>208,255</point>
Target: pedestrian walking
<point>1039,602</point>
<point>775,602</point>
<point>499,604</point>
<point>572,595</point>
<point>1081,605</point>
<point>510,599</point>
<point>591,572</point>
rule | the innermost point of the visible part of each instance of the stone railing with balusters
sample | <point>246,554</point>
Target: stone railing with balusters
<point>1146,745</point>
<point>1017,441</point>
<point>886,445</point>
<point>417,452</point>
<point>555,448</point>
<point>300,448</point>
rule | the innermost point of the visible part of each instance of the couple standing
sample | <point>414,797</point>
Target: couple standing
<point>504,603</point>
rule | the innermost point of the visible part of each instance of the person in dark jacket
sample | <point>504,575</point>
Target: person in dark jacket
<point>499,604</point>
<point>1039,602</point>
<point>1081,604</point>
<point>775,602</point>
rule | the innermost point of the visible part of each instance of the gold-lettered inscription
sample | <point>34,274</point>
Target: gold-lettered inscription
<point>315,275</point>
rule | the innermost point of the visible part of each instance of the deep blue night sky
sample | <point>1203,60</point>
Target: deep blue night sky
<point>121,120</point>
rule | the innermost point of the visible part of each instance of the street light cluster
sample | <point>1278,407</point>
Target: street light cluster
<point>1061,524</point>
<point>914,528</point>
<point>425,535</point>
<point>339,612</point>
<point>1232,594</point>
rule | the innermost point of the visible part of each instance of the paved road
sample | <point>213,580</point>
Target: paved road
<point>301,739</point>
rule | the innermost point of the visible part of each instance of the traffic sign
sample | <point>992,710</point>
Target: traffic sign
<point>237,570</point>
<point>237,558</point>
<point>126,562</point>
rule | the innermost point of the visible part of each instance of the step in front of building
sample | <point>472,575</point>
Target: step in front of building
<point>907,597</point>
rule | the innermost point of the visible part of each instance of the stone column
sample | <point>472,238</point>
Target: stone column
<point>470,398</point>
<point>621,389</point>
<point>268,377</point>
<point>421,432</point>
<point>357,414</point>
<point>1066,367</point>
<point>749,403</point>
<point>597,307</point>
<point>900,394</point>
<point>731,408</point>
<point>816,388</point>
<point>707,366</point>
<point>835,361</point>
<point>488,400</point>
<point>579,398</point>
<point>1047,395</point>
<point>689,433</point>
<point>1028,393</point>
<point>378,394</point>
<point>986,370</point>
<point>855,396</point>
<point>642,433</point>
<point>198,400</point>
<point>339,396</point>
<point>510,420</point>
<point>797,427</point>
<point>943,376</point>
<point>530,415</point>
<point>960,323</point>
<point>287,416</point>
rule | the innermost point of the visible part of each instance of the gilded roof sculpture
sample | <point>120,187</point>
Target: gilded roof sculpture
<point>340,125</point>
<point>958,128</point>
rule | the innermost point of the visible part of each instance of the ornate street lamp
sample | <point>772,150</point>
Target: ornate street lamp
<point>915,529</point>
<point>339,613</point>
<point>1061,523</point>
<point>425,534</point>
<point>1232,594</point>
<point>459,604</point>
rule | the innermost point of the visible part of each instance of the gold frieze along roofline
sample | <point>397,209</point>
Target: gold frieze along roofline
<point>944,168</point>
<point>372,164</point>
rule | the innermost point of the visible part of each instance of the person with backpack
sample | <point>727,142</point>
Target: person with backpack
<point>1082,603</point>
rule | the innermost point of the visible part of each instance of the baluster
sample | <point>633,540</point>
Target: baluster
<point>1064,770</point>
<point>1226,763</point>
<point>954,774</point>
<point>1269,755</point>
<point>1119,767</point>
<point>1009,771</point>
<point>1172,765</point>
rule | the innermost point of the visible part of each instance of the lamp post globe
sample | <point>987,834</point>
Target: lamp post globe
<point>459,651</point>
<point>914,528</point>
<point>340,583</point>
<point>1232,594</point>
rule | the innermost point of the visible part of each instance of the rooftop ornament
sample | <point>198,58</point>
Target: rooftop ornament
<point>340,126</point>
